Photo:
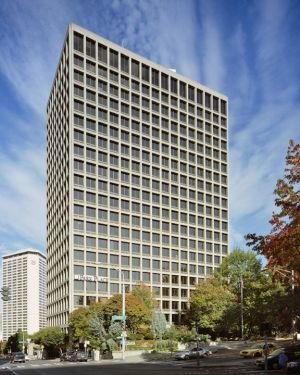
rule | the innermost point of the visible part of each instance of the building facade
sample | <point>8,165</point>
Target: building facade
<point>137,178</point>
<point>24,273</point>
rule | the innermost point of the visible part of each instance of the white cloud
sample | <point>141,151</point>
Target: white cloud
<point>244,61</point>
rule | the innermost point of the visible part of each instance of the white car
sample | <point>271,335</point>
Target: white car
<point>193,353</point>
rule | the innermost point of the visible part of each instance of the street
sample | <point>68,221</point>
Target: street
<point>219,364</point>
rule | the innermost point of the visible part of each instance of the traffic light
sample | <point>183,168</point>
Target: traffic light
<point>5,293</point>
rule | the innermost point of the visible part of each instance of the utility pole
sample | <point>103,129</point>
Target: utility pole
<point>123,314</point>
<point>123,317</point>
<point>242,305</point>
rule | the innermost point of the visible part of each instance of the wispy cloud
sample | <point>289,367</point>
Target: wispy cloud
<point>248,50</point>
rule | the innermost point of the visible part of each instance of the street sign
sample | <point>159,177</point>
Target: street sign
<point>118,317</point>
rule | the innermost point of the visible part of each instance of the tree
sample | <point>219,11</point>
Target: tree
<point>13,344</point>
<point>144,294</point>
<point>52,338</point>
<point>262,295</point>
<point>281,246</point>
<point>137,312</point>
<point>79,322</point>
<point>239,265</point>
<point>159,324</point>
<point>209,303</point>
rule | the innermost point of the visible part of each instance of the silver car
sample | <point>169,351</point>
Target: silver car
<point>17,357</point>
<point>193,353</point>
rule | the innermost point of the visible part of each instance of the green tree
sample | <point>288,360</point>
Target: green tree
<point>52,338</point>
<point>254,288</point>
<point>13,344</point>
<point>79,322</point>
<point>239,265</point>
<point>209,303</point>
<point>159,325</point>
<point>144,294</point>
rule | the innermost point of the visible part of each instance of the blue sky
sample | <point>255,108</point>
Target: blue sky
<point>248,50</point>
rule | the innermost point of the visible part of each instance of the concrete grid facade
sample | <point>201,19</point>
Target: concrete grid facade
<point>24,273</point>
<point>137,178</point>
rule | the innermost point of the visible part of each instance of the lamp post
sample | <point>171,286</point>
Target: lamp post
<point>242,305</point>
<point>123,335</point>
<point>241,285</point>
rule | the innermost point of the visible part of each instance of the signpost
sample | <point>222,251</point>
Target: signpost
<point>118,317</point>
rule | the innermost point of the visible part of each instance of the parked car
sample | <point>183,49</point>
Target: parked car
<point>257,350</point>
<point>79,356</point>
<point>66,356</point>
<point>293,367</point>
<point>292,352</point>
<point>17,357</point>
<point>193,353</point>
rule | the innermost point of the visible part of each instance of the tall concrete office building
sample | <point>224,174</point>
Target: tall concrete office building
<point>137,178</point>
<point>24,273</point>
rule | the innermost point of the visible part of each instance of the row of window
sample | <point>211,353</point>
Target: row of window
<point>128,166</point>
<point>145,209</point>
<point>114,245</point>
<point>186,163</point>
<point>137,262</point>
<point>174,215</point>
<point>80,300</point>
<point>146,196</point>
<point>146,169</point>
<point>153,237</point>
<point>144,72</point>
<point>178,110</point>
<point>144,222</point>
<point>212,136</point>
<point>118,117</point>
<point>128,137</point>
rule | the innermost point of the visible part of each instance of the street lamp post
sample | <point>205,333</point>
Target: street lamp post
<point>123,315</point>
<point>123,335</point>
<point>241,284</point>
<point>242,306</point>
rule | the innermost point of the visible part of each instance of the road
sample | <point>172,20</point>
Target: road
<point>217,365</point>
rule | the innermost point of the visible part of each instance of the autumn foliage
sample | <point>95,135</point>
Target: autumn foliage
<point>281,246</point>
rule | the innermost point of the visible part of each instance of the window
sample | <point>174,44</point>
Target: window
<point>90,47</point>
<point>182,89</point>
<point>78,42</point>
<point>102,53</point>
<point>155,77</point>
<point>191,93</point>
<point>223,107</point>
<point>90,81</point>
<point>124,63</point>
<point>113,58</point>
<point>164,81</point>
<point>207,100</point>
<point>145,73</point>
<point>135,68</point>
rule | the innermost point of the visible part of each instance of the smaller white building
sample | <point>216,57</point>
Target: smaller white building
<point>24,273</point>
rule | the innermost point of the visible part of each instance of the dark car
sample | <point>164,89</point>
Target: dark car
<point>79,356</point>
<point>291,351</point>
<point>17,357</point>
<point>293,367</point>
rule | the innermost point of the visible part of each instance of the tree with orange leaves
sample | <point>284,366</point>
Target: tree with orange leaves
<point>281,246</point>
